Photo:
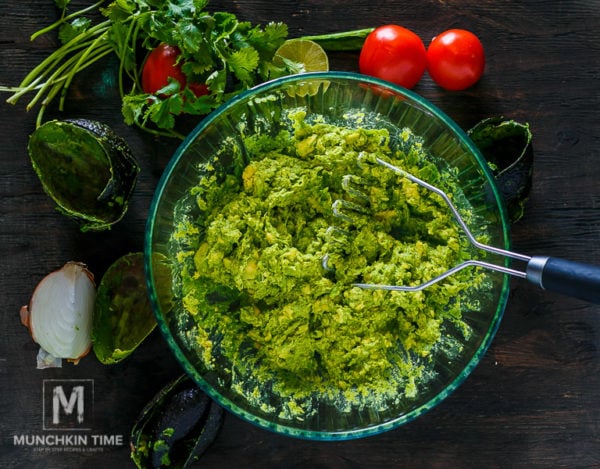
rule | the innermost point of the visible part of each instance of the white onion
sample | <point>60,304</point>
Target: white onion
<point>59,315</point>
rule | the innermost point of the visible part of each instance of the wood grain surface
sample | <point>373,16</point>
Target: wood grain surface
<point>533,401</point>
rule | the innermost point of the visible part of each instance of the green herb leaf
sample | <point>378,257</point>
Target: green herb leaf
<point>196,105</point>
<point>161,114</point>
<point>293,67</point>
<point>242,63</point>
<point>217,81</point>
<point>188,35</point>
<point>133,107</point>
<point>62,4</point>
<point>120,10</point>
<point>69,31</point>
<point>267,41</point>
<point>118,36</point>
<point>217,49</point>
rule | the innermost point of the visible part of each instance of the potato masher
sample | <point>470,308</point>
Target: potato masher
<point>571,278</point>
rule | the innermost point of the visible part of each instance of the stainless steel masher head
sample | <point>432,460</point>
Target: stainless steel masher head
<point>571,278</point>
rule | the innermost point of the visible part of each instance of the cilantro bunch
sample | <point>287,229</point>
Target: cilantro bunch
<point>217,49</point>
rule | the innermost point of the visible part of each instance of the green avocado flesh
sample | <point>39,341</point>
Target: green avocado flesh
<point>262,305</point>
<point>71,156</point>
<point>123,317</point>
<point>87,170</point>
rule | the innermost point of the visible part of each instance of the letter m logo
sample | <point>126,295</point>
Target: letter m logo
<point>68,404</point>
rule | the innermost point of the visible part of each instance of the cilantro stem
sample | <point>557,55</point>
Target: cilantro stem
<point>61,83</point>
<point>121,51</point>
<point>59,54</point>
<point>58,79</point>
<point>64,19</point>
<point>79,65</point>
<point>19,91</point>
<point>55,73</point>
<point>344,41</point>
<point>135,76</point>
<point>234,55</point>
<point>31,81</point>
<point>161,133</point>
<point>58,74</point>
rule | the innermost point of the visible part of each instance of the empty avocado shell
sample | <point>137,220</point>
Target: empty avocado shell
<point>86,169</point>
<point>123,317</point>
<point>507,146</point>
<point>175,427</point>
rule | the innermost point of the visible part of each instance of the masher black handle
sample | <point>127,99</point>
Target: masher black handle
<point>574,279</point>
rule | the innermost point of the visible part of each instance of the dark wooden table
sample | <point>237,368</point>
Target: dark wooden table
<point>534,400</point>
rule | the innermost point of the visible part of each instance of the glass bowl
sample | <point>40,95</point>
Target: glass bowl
<point>219,146</point>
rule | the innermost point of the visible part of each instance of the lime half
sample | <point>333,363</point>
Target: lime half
<point>302,56</point>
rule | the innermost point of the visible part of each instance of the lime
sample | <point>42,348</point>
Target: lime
<point>302,56</point>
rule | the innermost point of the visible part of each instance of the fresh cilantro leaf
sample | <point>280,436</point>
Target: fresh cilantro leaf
<point>171,89</point>
<point>293,67</point>
<point>197,105</point>
<point>217,81</point>
<point>69,31</point>
<point>160,113</point>
<point>242,63</point>
<point>268,40</point>
<point>180,9</point>
<point>201,63</point>
<point>188,36</point>
<point>133,107</point>
<point>175,104</point>
<point>200,4</point>
<point>268,70</point>
<point>119,10</point>
<point>225,25</point>
<point>62,4</point>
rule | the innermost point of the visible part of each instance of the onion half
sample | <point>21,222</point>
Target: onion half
<point>59,315</point>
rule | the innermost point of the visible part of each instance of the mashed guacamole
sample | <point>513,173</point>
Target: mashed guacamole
<point>262,300</point>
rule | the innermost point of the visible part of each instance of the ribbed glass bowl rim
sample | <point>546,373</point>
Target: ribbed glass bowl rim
<point>354,433</point>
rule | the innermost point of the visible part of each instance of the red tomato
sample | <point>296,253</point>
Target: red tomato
<point>199,89</point>
<point>161,65</point>
<point>455,59</point>
<point>395,54</point>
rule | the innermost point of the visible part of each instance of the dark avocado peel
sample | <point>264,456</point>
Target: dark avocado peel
<point>87,170</point>
<point>507,147</point>
<point>123,317</point>
<point>175,427</point>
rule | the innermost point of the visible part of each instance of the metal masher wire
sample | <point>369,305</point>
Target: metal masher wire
<point>465,228</point>
<point>570,278</point>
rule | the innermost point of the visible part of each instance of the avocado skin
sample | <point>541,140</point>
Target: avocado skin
<point>176,426</point>
<point>507,147</point>
<point>96,203</point>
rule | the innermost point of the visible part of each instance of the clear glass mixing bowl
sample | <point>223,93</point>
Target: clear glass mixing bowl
<point>332,95</point>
